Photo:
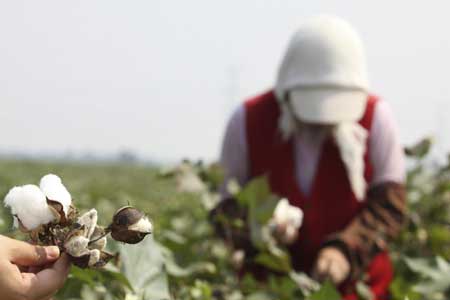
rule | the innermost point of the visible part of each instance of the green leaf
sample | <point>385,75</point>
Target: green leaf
<point>327,292</point>
<point>201,290</point>
<point>143,265</point>
<point>270,262</point>
<point>260,211</point>
<point>435,275</point>
<point>257,188</point>
<point>306,284</point>
<point>111,272</point>
<point>401,288</point>
<point>84,275</point>
<point>260,296</point>
<point>423,267</point>
<point>283,287</point>
<point>173,236</point>
<point>363,291</point>
<point>421,149</point>
<point>279,263</point>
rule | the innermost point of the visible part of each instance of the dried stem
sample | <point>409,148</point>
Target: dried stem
<point>107,231</point>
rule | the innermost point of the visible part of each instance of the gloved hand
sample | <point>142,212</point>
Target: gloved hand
<point>331,264</point>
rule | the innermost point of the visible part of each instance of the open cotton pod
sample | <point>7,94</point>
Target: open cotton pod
<point>29,207</point>
<point>98,239</point>
<point>33,206</point>
<point>286,221</point>
<point>58,197</point>
<point>86,242</point>
<point>130,225</point>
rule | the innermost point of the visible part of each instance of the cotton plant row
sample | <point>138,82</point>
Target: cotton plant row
<point>282,228</point>
<point>188,180</point>
<point>286,219</point>
<point>270,222</point>
<point>284,224</point>
<point>48,215</point>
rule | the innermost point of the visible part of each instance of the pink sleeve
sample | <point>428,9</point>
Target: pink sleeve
<point>234,157</point>
<point>386,151</point>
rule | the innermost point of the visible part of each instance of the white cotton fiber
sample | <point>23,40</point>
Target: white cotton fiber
<point>143,225</point>
<point>89,221</point>
<point>188,181</point>
<point>351,138</point>
<point>29,204</point>
<point>287,214</point>
<point>53,189</point>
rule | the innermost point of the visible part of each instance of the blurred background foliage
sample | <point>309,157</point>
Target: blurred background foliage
<point>186,260</point>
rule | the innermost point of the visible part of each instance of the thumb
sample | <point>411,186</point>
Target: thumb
<point>24,254</point>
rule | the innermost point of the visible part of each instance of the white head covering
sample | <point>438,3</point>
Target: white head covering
<point>323,76</point>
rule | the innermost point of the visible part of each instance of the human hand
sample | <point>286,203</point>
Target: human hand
<point>331,264</point>
<point>17,262</point>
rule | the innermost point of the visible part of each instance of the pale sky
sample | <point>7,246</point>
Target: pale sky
<point>161,77</point>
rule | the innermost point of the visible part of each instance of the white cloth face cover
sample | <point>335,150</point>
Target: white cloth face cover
<point>351,139</point>
<point>286,122</point>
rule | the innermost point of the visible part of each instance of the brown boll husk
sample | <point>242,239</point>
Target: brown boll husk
<point>126,216</point>
<point>81,262</point>
<point>105,257</point>
<point>128,236</point>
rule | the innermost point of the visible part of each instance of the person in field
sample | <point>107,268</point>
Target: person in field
<point>331,147</point>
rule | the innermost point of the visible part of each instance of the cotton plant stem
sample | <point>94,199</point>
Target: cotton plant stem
<point>107,231</point>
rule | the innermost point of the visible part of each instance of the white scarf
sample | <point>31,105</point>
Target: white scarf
<point>351,140</point>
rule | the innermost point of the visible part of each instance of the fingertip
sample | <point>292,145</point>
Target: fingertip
<point>52,252</point>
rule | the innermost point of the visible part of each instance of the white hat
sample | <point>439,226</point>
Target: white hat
<point>324,72</point>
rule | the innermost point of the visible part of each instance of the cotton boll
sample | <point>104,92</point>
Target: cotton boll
<point>287,214</point>
<point>29,204</point>
<point>188,181</point>
<point>130,225</point>
<point>210,200</point>
<point>15,222</point>
<point>286,221</point>
<point>51,185</point>
<point>238,258</point>
<point>77,246</point>
<point>290,234</point>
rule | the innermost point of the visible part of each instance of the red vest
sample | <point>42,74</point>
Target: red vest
<point>331,204</point>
